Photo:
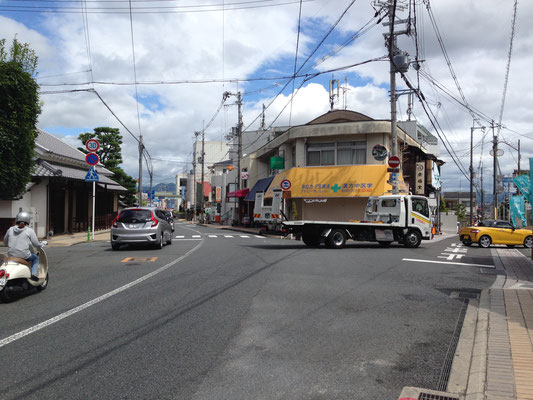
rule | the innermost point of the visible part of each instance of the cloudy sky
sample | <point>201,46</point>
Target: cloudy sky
<point>189,52</point>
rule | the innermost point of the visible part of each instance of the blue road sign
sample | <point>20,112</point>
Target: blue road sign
<point>91,176</point>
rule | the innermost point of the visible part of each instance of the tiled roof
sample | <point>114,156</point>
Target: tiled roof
<point>57,146</point>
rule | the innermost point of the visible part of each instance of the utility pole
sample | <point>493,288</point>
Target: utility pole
<point>194,176</point>
<point>203,163</point>
<point>518,172</point>
<point>140,170</point>
<point>402,65</point>
<point>495,167</point>
<point>472,173</point>
<point>239,133</point>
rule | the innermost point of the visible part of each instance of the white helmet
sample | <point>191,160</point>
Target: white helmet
<point>23,217</point>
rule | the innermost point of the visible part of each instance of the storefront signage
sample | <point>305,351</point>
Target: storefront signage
<point>218,194</point>
<point>338,188</point>
<point>309,201</point>
<point>277,163</point>
<point>420,184</point>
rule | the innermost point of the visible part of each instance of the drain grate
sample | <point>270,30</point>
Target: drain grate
<point>429,396</point>
<point>447,366</point>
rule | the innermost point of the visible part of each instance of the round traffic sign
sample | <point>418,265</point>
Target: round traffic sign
<point>394,162</point>
<point>92,145</point>
<point>285,184</point>
<point>92,158</point>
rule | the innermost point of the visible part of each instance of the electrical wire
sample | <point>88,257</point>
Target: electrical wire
<point>296,57</point>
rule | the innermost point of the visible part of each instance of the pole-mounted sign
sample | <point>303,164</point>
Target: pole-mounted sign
<point>92,158</point>
<point>92,145</point>
<point>394,161</point>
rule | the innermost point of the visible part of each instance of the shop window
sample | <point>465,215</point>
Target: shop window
<point>349,153</point>
<point>321,153</point>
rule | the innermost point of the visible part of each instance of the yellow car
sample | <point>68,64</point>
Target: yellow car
<point>496,232</point>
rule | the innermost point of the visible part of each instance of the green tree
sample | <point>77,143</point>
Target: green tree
<point>110,154</point>
<point>460,210</point>
<point>19,110</point>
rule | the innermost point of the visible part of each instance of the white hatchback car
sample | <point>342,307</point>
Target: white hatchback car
<point>141,225</point>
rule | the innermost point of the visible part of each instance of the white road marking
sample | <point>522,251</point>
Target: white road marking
<point>228,236</point>
<point>244,236</point>
<point>212,235</point>
<point>192,239</point>
<point>180,237</point>
<point>196,236</point>
<point>451,256</point>
<point>97,300</point>
<point>449,262</point>
<point>260,237</point>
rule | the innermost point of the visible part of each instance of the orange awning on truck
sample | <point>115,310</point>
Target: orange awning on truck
<point>336,181</point>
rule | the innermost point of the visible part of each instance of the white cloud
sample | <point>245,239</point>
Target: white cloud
<point>249,43</point>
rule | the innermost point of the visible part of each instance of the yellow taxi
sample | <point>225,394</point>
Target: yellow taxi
<point>496,232</point>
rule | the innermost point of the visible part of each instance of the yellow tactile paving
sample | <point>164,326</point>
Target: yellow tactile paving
<point>520,326</point>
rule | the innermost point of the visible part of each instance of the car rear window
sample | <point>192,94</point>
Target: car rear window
<point>132,216</point>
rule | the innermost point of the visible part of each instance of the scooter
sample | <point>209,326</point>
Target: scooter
<point>15,275</point>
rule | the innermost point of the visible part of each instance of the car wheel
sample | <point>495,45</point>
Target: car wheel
<point>412,239</point>
<point>115,246</point>
<point>528,242</point>
<point>159,245</point>
<point>336,239</point>
<point>43,285</point>
<point>485,241</point>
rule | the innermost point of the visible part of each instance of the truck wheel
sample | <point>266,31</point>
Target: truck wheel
<point>336,239</point>
<point>311,239</point>
<point>412,239</point>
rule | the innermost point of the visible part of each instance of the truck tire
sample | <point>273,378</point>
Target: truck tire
<point>336,239</point>
<point>311,238</point>
<point>412,239</point>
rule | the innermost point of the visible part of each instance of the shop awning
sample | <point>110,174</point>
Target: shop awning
<point>239,193</point>
<point>337,181</point>
<point>260,186</point>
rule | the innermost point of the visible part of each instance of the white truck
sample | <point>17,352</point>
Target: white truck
<point>392,218</point>
<point>268,212</point>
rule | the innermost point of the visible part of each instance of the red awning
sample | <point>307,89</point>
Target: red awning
<point>239,193</point>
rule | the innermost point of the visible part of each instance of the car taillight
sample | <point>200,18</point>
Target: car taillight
<point>474,231</point>
<point>114,224</point>
<point>2,273</point>
<point>154,221</point>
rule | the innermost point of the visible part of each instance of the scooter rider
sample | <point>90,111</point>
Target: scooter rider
<point>18,239</point>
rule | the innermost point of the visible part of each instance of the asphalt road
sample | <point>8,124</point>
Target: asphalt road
<point>240,317</point>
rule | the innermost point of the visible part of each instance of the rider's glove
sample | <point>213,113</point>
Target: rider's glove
<point>44,243</point>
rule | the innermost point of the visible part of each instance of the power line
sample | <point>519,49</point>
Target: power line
<point>151,9</point>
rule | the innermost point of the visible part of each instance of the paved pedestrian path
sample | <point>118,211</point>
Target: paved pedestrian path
<point>494,357</point>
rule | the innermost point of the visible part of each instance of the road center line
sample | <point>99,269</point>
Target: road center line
<point>97,300</point>
<point>449,262</point>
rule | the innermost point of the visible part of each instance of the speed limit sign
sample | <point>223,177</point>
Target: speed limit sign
<point>92,145</point>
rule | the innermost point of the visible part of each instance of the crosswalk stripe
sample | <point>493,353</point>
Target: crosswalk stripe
<point>179,237</point>
<point>260,237</point>
<point>212,235</point>
<point>196,236</point>
<point>244,236</point>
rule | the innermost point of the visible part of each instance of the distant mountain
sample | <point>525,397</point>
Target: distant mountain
<point>161,187</point>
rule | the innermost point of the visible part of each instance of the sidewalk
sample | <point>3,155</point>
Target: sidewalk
<point>494,356</point>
